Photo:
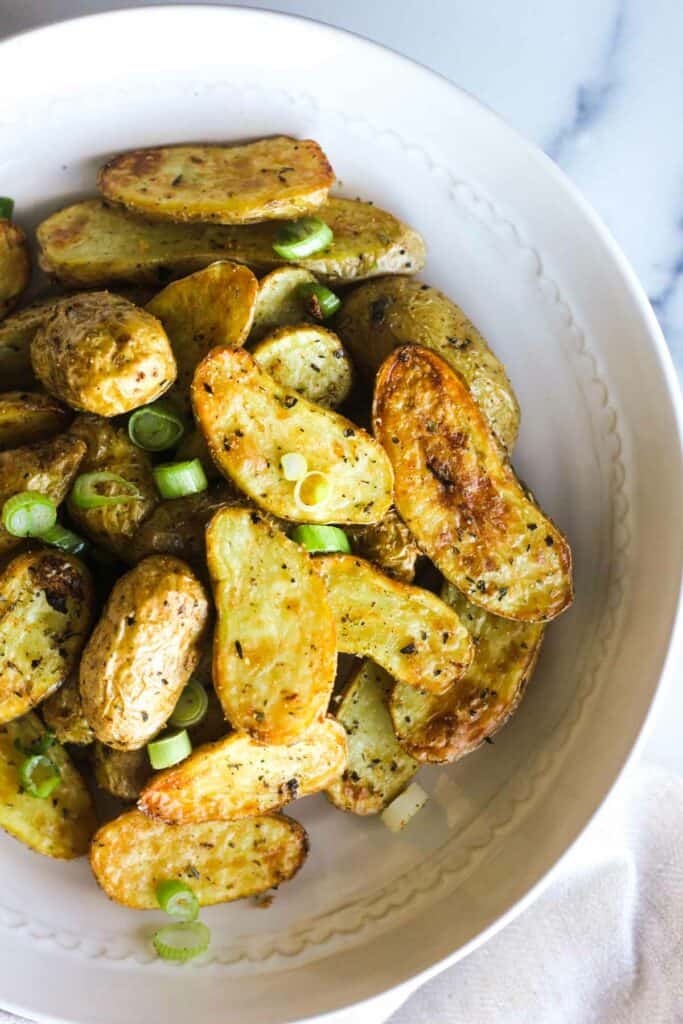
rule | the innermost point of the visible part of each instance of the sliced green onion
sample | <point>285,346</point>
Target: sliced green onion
<point>297,239</point>
<point>176,479</point>
<point>84,493</point>
<point>6,208</point>
<point>39,746</point>
<point>181,941</point>
<point>28,514</point>
<point>312,490</point>
<point>319,301</point>
<point>399,812</point>
<point>65,540</point>
<point>156,427</point>
<point>177,900</point>
<point>322,538</point>
<point>39,776</point>
<point>191,707</point>
<point>169,749</point>
<point>294,466</point>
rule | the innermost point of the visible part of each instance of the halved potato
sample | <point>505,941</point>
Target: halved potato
<point>60,826</point>
<point>220,860</point>
<point>409,631</point>
<point>447,727</point>
<point>381,315</point>
<point>15,265</point>
<point>279,302</point>
<point>29,416</point>
<point>210,308</point>
<point>309,360</point>
<point>63,713</point>
<point>178,526</point>
<point>16,334</point>
<point>378,768</point>
<point>250,422</point>
<point>274,658</point>
<point>389,544</point>
<point>121,773</point>
<point>238,778</point>
<point>46,605</point>
<point>460,498</point>
<point>91,244</point>
<point>271,179</point>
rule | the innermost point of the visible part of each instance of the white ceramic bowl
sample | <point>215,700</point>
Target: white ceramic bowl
<point>600,444</point>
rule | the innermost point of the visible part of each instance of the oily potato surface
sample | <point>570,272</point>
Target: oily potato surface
<point>408,631</point>
<point>460,498</point>
<point>63,713</point>
<point>46,606</point>
<point>121,773</point>
<point>274,658</point>
<point>16,334</point>
<point>15,265</point>
<point>220,860</point>
<point>309,360</point>
<point>142,651</point>
<point>270,179</point>
<point>389,544</point>
<point>30,416</point>
<point>250,422</point>
<point>279,302</point>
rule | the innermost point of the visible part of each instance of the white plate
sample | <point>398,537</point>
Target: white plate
<point>512,242</point>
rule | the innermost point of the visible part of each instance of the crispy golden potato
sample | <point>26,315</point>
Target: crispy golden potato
<point>15,265</point>
<point>121,773</point>
<point>48,467</point>
<point>177,527</point>
<point>309,360</point>
<point>409,631</point>
<point>109,449</point>
<point>60,826</point>
<point>274,658</point>
<point>238,777</point>
<point>46,604</point>
<point>279,302</point>
<point>220,860</point>
<point>250,422</point>
<point>378,768</point>
<point>29,416</point>
<point>447,727</point>
<point>381,315</point>
<point>460,498</point>
<point>142,651</point>
<point>389,544</point>
<point>16,334</point>
<point>63,713</point>
<point>90,244</point>
<point>194,446</point>
<point>99,353</point>
<point>210,308</point>
<point>271,179</point>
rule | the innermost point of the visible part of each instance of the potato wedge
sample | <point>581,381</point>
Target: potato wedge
<point>29,416</point>
<point>279,302</point>
<point>109,449</point>
<point>250,422</point>
<point>60,826</point>
<point>15,265</point>
<point>177,527</point>
<point>97,352</point>
<point>381,315</point>
<point>46,605</point>
<point>460,498</point>
<point>309,360</point>
<point>90,244</point>
<point>389,544</point>
<point>274,658</point>
<point>409,631</point>
<point>447,727</point>
<point>238,777</point>
<point>63,713</point>
<point>16,334</point>
<point>142,651</point>
<point>378,768</point>
<point>47,466</point>
<point>210,308</point>
<point>271,179</point>
<point>121,773</point>
<point>220,860</point>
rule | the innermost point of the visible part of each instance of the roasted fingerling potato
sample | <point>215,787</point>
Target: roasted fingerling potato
<point>30,416</point>
<point>389,544</point>
<point>63,713</point>
<point>121,773</point>
<point>178,527</point>
<point>280,301</point>
<point>15,265</point>
<point>309,360</point>
<point>16,334</point>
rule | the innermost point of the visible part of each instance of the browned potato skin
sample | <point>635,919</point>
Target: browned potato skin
<point>16,334</point>
<point>97,352</point>
<point>194,446</point>
<point>121,773</point>
<point>142,651</point>
<point>15,265</point>
<point>389,544</point>
<point>48,467</point>
<point>30,416</point>
<point>63,713</point>
<point>459,496</point>
<point>177,527</point>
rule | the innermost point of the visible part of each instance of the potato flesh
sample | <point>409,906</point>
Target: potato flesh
<point>250,422</point>
<point>63,713</point>
<point>459,497</point>
<point>27,417</point>
<point>221,861</point>
<point>274,657</point>
<point>309,360</point>
<point>279,302</point>
<point>406,630</point>
<point>15,265</point>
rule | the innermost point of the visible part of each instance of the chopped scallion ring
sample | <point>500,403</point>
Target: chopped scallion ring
<point>399,812</point>
<point>156,427</point>
<point>6,208</point>
<point>319,302</point>
<point>169,749</point>
<point>28,514</point>
<point>181,941</point>
<point>312,490</point>
<point>294,466</point>
<point>39,776</point>
<point>191,707</point>
<point>39,746</point>
<point>66,540</point>
<point>177,479</point>
<point>85,494</point>
<point>177,900</point>
<point>297,239</point>
<point>321,538</point>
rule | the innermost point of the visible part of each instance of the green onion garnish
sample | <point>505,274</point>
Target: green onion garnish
<point>65,540</point>
<point>28,514</point>
<point>156,427</point>
<point>177,900</point>
<point>169,749</point>
<point>293,465</point>
<point>322,538</point>
<point>84,493</point>
<point>191,707</point>
<point>181,941</point>
<point>38,746</point>
<point>176,479</point>
<point>311,490</point>
<point>39,776</point>
<point>319,302</point>
<point>6,208</point>
<point>297,239</point>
